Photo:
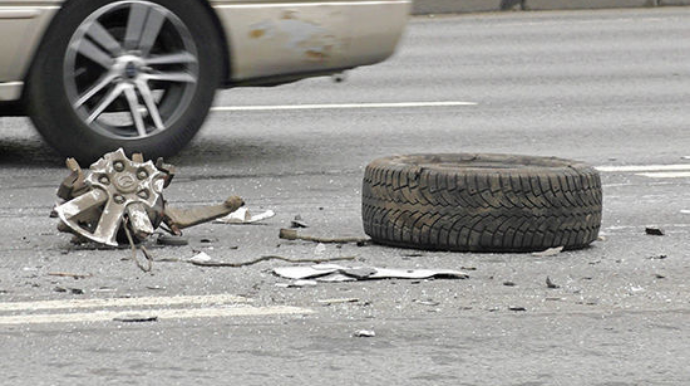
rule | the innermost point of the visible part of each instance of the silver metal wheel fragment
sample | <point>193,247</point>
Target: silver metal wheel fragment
<point>131,69</point>
<point>119,188</point>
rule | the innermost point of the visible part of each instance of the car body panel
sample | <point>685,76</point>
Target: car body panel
<point>266,38</point>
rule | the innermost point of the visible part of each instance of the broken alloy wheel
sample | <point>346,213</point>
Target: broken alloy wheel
<point>118,194</point>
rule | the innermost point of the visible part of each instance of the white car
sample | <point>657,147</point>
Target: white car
<point>95,75</point>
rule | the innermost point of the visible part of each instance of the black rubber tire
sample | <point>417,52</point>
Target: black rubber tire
<point>56,121</point>
<point>481,202</point>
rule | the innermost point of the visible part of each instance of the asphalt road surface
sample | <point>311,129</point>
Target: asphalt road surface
<point>611,88</point>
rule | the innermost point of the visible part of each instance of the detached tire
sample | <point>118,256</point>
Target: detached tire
<point>481,202</point>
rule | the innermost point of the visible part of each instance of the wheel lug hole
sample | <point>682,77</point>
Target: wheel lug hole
<point>104,180</point>
<point>142,174</point>
<point>118,166</point>
<point>119,199</point>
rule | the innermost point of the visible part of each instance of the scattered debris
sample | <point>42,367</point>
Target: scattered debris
<point>204,260</point>
<point>297,222</point>
<point>291,234</point>
<point>652,231</point>
<point>601,238</point>
<point>659,276</point>
<point>427,302</point>
<point>549,252</point>
<point>298,284</point>
<point>155,287</point>
<point>244,216</point>
<point>517,309</point>
<point>364,334</point>
<point>685,211</point>
<point>337,273</point>
<point>75,276</point>
<point>468,268</point>
<point>320,249</point>
<point>657,257</point>
<point>550,284</point>
<point>329,302</point>
<point>135,319</point>
<point>73,291</point>
<point>172,240</point>
<point>509,284</point>
<point>119,197</point>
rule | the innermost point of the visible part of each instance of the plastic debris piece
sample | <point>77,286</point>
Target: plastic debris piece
<point>329,302</point>
<point>321,271</point>
<point>509,284</point>
<point>653,231</point>
<point>517,309</point>
<point>364,334</point>
<point>201,258</point>
<point>548,252</point>
<point>244,216</point>
<point>298,284</point>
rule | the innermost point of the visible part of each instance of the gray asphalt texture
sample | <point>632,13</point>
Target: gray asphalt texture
<point>605,87</point>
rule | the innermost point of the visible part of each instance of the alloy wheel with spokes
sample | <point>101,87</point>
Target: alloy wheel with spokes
<point>131,69</point>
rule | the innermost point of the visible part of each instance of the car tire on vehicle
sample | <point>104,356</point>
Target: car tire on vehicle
<point>481,202</point>
<point>136,74</point>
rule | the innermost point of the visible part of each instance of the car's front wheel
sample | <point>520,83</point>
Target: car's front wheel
<point>134,74</point>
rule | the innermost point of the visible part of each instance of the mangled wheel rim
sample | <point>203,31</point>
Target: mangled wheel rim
<point>131,70</point>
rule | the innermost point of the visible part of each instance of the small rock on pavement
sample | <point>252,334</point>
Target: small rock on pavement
<point>509,284</point>
<point>517,309</point>
<point>550,284</point>
<point>297,222</point>
<point>652,231</point>
<point>364,334</point>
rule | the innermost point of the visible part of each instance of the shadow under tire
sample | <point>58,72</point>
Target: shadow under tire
<point>481,202</point>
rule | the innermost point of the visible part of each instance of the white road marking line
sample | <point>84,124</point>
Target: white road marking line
<point>665,175</point>
<point>644,168</point>
<point>122,302</point>
<point>161,314</point>
<point>342,106</point>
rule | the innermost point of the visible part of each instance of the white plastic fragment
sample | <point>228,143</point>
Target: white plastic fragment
<point>297,284</point>
<point>548,252</point>
<point>201,257</point>
<point>338,273</point>
<point>320,249</point>
<point>364,334</point>
<point>244,216</point>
